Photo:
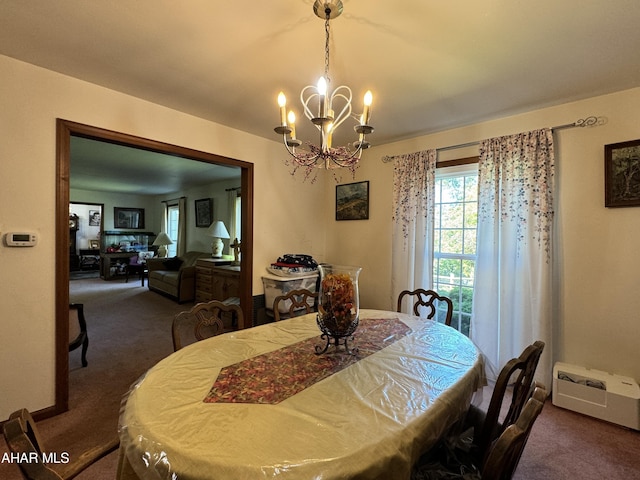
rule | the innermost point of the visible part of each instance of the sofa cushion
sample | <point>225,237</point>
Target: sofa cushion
<point>173,264</point>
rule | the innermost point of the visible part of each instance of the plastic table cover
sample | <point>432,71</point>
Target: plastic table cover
<point>371,420</point>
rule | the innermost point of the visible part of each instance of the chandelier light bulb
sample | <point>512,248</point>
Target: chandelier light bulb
<point>292,124</point>
<point>282,102</point>
<point>322,92</point>
<point>368,99</point>
<point>322,86</point>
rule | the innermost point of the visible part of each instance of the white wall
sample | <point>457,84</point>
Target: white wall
<point>597,266</point>
<point>32,99</point>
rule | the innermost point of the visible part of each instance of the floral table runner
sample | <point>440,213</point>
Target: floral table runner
<point>275,376</point>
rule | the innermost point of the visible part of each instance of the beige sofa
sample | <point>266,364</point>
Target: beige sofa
<point>175,277</point>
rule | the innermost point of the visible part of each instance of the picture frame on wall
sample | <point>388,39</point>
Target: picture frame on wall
<point>204,212</point>
<point>622,174</point>
<point>352,201</point>
<point>94,218</point>
<point>132,218</point>
<point>94,244</point>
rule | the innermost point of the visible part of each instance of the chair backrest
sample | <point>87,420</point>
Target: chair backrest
<point>523,369</point>
<point>204,320</point>
<point>78,335</point>
<point>295,302</point>
<point>505,453</point>
<point>77,323</point>
<point>22,438</point>
<point>428,299</point>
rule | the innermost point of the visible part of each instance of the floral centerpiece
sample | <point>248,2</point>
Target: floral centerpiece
<point>338,304</point>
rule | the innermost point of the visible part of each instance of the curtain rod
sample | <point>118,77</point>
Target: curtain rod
<point>232,189</point>
<point>582,122</point>
<point>171,200</point>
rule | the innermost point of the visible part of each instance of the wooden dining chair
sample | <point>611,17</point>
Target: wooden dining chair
<point>204,320</point>
<point>78,336</point>
<point>298,302</point>
<point>502,458</point>
<point>517,376</point>
<point>428,299</point>
<point>23,439</point>
<point>506,451</point>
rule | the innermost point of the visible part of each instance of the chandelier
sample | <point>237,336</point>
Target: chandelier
<point>319,104</point>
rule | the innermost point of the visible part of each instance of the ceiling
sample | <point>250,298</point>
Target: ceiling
<point>108,167</point>
<point>431,65</point>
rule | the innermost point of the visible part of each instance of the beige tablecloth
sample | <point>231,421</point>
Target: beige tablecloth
<point>370,420</point>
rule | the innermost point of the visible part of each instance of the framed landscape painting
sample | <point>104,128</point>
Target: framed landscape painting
<point>128,217</point>
<point>352,201</point>
<point>622,174</point>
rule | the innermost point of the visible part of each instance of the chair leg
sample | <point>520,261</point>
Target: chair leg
<point>85,346</point>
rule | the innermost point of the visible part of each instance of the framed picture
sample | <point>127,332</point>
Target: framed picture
<point>352,201</point>
<point>94,244</point>
<point>128,217</point>
<point>204,212</point>
<point>622,174</point>
<point>94,218</point>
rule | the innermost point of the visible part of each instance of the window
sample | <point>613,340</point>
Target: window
<point>173,216</point>
<point>238,210</point>
<point>455,228</point>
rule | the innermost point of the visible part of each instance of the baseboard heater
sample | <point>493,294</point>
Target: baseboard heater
<point>613,398</point>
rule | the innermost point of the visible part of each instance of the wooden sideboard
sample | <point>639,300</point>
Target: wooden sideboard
<point>215,281</point>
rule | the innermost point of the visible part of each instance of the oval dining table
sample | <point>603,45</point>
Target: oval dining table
<point>260,403</point>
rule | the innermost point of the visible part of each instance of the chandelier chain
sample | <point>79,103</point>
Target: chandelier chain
<point>326,46</point>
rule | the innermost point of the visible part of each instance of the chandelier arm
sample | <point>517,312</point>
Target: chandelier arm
<point>305,102</point>
<point>346,162</point>
<point>346,110</point>
<point>300,160</point>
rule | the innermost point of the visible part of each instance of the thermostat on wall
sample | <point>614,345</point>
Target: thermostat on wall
<point>20,239</point>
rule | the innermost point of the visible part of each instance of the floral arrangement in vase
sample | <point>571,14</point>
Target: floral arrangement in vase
<point>337,303</point>
<point>338,306</point>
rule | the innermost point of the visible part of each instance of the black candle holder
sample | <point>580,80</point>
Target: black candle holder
<point>334,336</point>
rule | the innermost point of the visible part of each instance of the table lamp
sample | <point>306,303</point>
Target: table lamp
<point>218,231</point>
<point>161,241</point>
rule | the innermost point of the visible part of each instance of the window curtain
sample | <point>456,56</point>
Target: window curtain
<point>513,294</point>
<point>412,236</point>
<point>233,229</point>
<point>164,219</point>
<point>181,248</point>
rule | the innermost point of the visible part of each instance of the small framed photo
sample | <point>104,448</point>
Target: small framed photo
<point>352,201</point>
<point>94,218</point>
<point>204,212</point>
<point>128,217</point>
<point>622,174</point>
<point>94,244</point>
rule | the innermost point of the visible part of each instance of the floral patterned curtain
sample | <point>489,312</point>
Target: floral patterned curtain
<point>412,242</point>
<point>513,294</point>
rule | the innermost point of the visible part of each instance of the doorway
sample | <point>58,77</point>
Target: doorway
<point>85,232</point>
<point>67,129</point>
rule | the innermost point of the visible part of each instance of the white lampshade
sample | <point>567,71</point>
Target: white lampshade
<point>218,231</point>
<point>161,241</point>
